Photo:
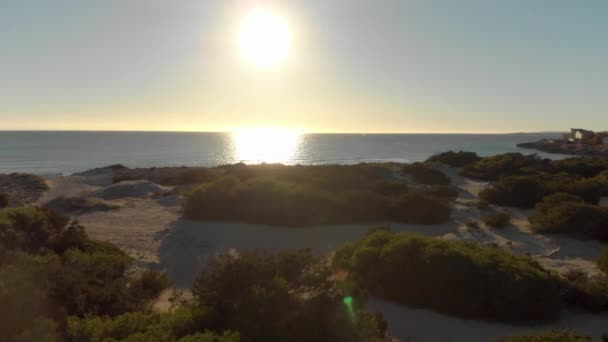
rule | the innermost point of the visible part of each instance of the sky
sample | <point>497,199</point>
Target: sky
<point>354,66</point>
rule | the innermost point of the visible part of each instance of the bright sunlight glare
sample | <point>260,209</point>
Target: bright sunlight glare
<point>265,39</point>
<point>265,144</point>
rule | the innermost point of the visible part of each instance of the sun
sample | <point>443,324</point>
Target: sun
<point>265,39</point>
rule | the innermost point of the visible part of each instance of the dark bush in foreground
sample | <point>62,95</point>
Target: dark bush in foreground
<point>548,336</point>
<point>452,277</point>
<point>564,213</point>
<point>272,201</point>
<point>455,159</point>
<point>182,324</point>
<point>49,269</point>
<point>284,297</point>
<point>3,200</point>
<point>497,220</point>
<point>425,174</point>
<point>602,263</point>
<point>586,292</point>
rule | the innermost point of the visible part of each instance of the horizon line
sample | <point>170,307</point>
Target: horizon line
<point>303,132</point>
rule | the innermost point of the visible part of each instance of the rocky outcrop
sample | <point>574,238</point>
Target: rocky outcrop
<point>567,147</point>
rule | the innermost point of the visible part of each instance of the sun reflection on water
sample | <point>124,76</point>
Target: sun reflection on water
<point>266,144</point>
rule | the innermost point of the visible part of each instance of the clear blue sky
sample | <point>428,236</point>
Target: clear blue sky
<point>355,66</point>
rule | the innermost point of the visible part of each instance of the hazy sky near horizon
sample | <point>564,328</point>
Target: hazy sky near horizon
<point>355,66</point>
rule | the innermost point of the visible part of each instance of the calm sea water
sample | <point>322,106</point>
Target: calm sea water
<point>69,152</point>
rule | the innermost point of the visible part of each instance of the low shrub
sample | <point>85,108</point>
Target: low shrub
<point>516,191</point>
<point>497,220</point>
<point>3,200</point>
<point>455,159</point>
<point>419,208</point>
<point>445,192</point>
<point>279,202</point>
<point>602,263</point>
<point>586,292</point>
<point>508,164</point>
<point>452,277</point>
<point>281,297</point>
<point>565,213</point>
<point>548,336</point>
<point>50,269</point>
<point>425,174</point>
<point>526,191</point>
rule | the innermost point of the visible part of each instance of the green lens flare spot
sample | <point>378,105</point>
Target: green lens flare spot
<point>348,300</point>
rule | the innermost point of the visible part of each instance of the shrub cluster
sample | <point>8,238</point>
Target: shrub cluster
<point>494,167</point>
<point>497,220</point>
<point>602,263</point>
<point>58,285</point>
<point>526,191</point>
<point>49,270</point>
<point>281,297</point>
<point>425,174</point>
<point>3,200</point>
<point>296,199</point>
<point>565,213</point>
<point>586,292</point>
<point>451,276</point>
<point>455,159</point>
<point>548,336</point>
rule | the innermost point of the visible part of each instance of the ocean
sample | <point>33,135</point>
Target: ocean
<point>62,152</point>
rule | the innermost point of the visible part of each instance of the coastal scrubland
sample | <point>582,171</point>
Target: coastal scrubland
<point>65,286</point>
<point>453,277</point>
<point>308,195</point>
<point>564,193</point>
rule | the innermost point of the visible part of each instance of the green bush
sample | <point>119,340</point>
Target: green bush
<point>281,202</point>
<point>515,191</point>
<point>586,292</point>
<point>497,220</point>
<point>455,159</point>
<point>564,213</point>
<point>186,323</point>
<point>3,200</point>
<point>602,263</point>
<point>508,164</point>
<point>420,209</point>
<point>548,336</point>
<point>49,269</point>
<point>526,191</point>
<point>280,297</point>
<point>426,175</point>
<point>586,167</point>
<point>452,277</point>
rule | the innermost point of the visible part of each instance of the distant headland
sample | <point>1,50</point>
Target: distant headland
<point>579,141</point>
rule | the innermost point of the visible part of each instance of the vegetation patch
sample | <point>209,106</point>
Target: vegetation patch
<point>602,263</point>
<point>50,270</point>
<point>425,174</point>
<point>565,213</point>
<point>586,292</point>
<point>497,220</point>
<point>452,277</point>
<point>548,336</point>
<point>300,196</point>
<point>526,191</point>
<point>455,159</point>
